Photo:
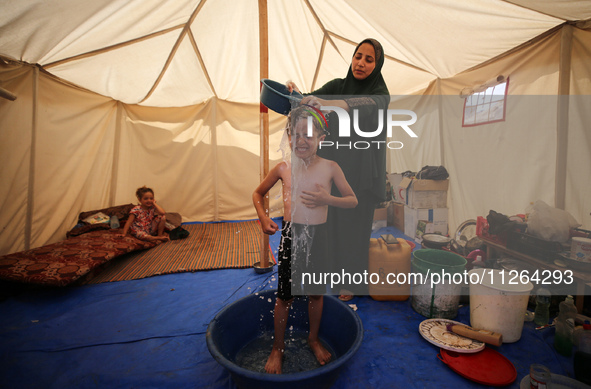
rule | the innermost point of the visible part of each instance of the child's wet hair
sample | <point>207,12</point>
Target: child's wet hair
<point>302,112</point>
<point>140,192</point>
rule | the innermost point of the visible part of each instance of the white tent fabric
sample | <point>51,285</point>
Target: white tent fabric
<point>115,94</point>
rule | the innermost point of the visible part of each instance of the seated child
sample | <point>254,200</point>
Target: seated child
<point>147,220</point>
<point>313,179</point>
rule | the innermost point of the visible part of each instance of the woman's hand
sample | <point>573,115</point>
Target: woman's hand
<point>315,199</point>
<point>313,101</point>
<point>317,102</point>
<point>291,86</point>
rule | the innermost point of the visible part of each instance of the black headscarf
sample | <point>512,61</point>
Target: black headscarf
<point>372,85</point>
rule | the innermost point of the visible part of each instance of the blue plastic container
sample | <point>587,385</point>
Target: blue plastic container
<point>246,319</point>
<point>275,96</point>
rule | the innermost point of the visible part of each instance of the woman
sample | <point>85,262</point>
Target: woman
<point>363,90</point>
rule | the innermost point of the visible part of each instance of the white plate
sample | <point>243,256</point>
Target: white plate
<point>435,331</point>
<point>558,382</point>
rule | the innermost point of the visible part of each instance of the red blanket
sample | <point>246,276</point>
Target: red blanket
<point>64,262</point>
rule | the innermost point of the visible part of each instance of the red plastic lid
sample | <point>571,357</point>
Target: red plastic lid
<point>486,367</point>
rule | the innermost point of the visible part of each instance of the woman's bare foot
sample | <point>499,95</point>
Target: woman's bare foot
<point>322,354</point>
<point>273,365</point>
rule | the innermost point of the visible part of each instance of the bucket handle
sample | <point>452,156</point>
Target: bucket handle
<point>389,239</point>
<point>440,358</point>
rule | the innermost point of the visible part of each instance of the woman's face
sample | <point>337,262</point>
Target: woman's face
<point>364,61</point>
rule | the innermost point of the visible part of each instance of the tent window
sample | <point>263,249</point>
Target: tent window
<point>486,106</point>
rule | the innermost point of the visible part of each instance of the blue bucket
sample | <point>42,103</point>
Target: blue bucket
<point>239,323</point>
<point>276,96</point>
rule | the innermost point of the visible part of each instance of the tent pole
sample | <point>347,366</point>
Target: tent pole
<point>264,116</point>
<point>116,152</point>
<point>8,95</point>
<point>562,116</point>
<point>31,189</point>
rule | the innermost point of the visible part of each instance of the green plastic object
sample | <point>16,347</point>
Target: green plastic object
<point>434,261</point>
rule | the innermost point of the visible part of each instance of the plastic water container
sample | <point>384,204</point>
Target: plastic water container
<point>114,221</point>
<point>498,302</point>
<point>389,260</point>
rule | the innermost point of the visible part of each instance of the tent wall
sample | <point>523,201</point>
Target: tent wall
<point>507,165</point>
<point>578,164</point>
<point>65,150</point>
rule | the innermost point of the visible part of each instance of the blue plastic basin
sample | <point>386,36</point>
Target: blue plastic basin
<point>275,96</point>
<point>246,319</point>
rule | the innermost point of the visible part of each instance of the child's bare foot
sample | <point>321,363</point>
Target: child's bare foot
<point>275,361</point>
<point>322,354</point>
<point>163,238</point>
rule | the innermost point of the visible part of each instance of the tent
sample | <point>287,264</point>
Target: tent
<point>116,94</point>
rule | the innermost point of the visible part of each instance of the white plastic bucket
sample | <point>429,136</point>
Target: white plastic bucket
<point>498,301</point>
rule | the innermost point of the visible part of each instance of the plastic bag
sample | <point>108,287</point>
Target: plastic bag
<point>550,223</point>
<point>433,173</point>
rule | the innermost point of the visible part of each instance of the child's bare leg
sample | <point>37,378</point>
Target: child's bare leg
<point>161,226</point>
<point>315,306</point>
<point>160,229</point>
<point>275,361</point>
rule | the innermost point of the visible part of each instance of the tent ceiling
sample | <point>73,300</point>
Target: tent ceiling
<point>183,52</point>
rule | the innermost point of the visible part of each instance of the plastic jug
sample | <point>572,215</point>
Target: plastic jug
<point>389,267</point>
<point>565,324</point>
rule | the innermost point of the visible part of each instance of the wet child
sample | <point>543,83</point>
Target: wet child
<point>305,213</point>
<point>147,220</point>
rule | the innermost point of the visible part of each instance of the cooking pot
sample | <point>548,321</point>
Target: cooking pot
<point>435,241</point>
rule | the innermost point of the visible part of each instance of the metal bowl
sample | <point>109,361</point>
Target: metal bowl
<point>258,269</point>
<point>435,241</point>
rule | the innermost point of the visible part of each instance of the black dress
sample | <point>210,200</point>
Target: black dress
<point>363,161</point>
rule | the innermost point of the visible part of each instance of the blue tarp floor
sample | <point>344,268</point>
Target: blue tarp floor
<point>150,333</point>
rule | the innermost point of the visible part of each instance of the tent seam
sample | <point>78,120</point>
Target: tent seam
<point>176,46</point>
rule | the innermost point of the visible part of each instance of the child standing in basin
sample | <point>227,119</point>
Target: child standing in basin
<point>147,220</point>
<point>305,205</point>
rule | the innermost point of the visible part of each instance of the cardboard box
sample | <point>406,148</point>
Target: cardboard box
<point>435,219</point>
<point>380,214</point>
<point>430,194</point>
<point>396,215</point>
<point>380,218</point>
<point>397,196</point>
